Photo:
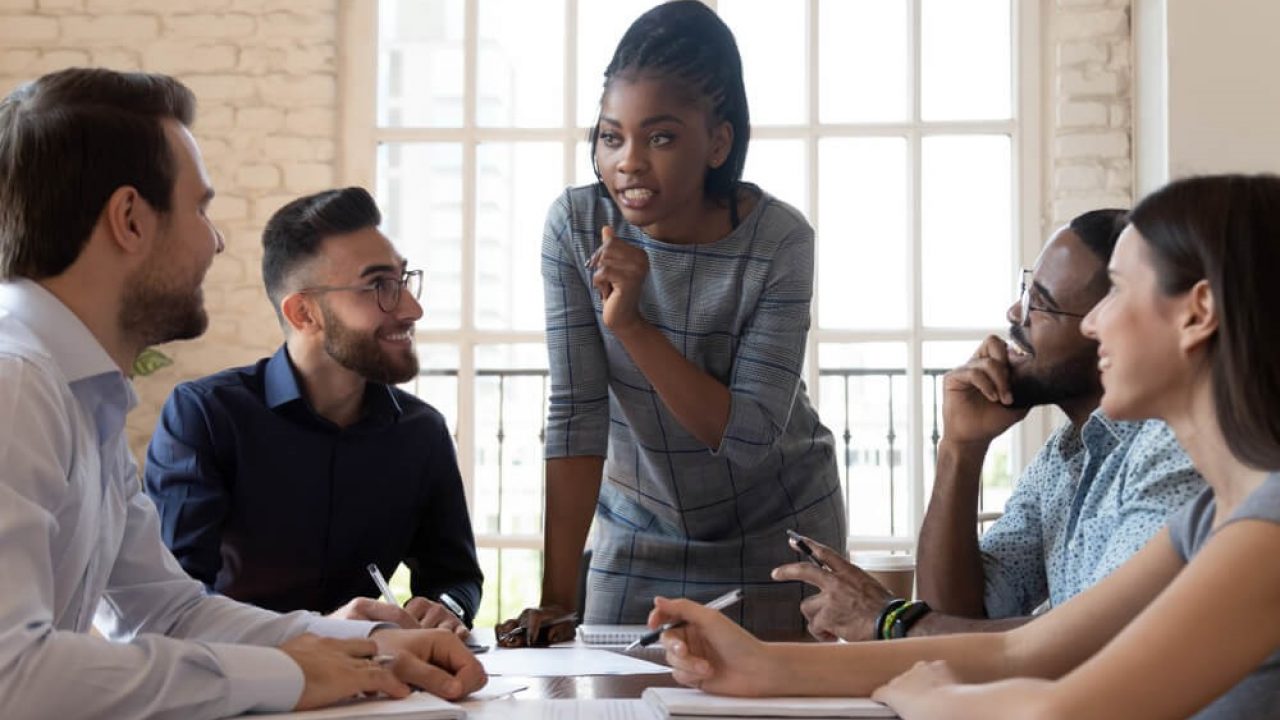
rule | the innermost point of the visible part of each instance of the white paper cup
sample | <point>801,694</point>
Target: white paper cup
<point>896,572</point>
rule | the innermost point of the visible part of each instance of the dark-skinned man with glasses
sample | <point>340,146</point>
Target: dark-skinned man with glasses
<point>1092,497</point>
<point>280,482</point>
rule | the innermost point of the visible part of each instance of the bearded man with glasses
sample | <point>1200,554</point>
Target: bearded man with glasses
<point>280,482</point>
<point>1091,498</point>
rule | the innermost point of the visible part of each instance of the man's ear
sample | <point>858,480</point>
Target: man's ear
<point>300,312</point>
<point>130,220</point>
<point>1199,317</point>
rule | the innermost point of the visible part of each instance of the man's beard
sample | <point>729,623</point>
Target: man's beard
<point>152,312</point>
<point>361,353</point>
<point>1073,377</point>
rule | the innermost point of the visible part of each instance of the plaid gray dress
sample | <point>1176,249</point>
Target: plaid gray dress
<point>675,517</point>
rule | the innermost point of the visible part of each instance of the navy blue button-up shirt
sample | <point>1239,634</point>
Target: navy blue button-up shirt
<point>263,500</point>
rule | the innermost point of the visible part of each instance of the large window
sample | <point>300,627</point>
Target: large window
<point>900,128</point>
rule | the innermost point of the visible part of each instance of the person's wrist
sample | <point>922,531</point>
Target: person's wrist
<point>629,328</point>
<point>964,447</point>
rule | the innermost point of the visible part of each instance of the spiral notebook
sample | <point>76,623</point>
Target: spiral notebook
<point>610,634</point>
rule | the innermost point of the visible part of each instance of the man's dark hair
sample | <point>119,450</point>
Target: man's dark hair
<point>1099,229</point>
<point>70,139</point>
<point>685,42</point>
<point>1226,229</point>
<point>294,233</point>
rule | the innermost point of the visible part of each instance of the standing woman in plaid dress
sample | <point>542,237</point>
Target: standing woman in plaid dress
<point>677,301</point>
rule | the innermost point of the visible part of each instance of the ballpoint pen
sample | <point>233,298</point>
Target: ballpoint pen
<point>652,636</point>
<point>803,546</point>
<point>381,582</point>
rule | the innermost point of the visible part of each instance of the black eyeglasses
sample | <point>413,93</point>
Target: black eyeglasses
<point>386,291</point>
<point>1027,305</point>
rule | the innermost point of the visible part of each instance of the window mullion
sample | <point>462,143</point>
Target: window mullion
<point>466,348</point>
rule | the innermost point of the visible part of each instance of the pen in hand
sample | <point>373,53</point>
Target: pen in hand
<point>521,630</point>
<point>381,582</point>
<point>799,541</point>
<point>652,636</point>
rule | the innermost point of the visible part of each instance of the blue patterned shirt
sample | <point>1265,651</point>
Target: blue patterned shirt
<point>1085,505</point>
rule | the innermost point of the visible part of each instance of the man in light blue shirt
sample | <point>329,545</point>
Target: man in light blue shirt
<point>1093,496</point>
<point>104,243</point>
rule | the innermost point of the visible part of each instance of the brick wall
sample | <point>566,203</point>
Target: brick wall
<point>1089,148</point>
<point>265,73</point>
<point>265,76</point>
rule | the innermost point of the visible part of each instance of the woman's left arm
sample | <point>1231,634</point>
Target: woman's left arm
<point>1205,633</point>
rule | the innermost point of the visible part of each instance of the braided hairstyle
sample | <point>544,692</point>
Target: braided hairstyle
<point>686,44</point>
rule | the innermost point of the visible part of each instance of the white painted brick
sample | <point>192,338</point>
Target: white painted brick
<point>1109,144</point>
<point>184,56</point>
<point>1121,55</point>
<point>294,26</point>
<point>110,6</point>
<point>309,59</point>
<point>1082,3</point>
<point>121,29</point>
<point>1077,82</point>
<point>289,91</point>
<point>28,31</point>
<point>1070,206</point>
<point>260,118</point>
<point>312,122</point>
<point>17,6</point>
<point>226,208</point>
<point>210,118</point>
<point>117,59</point>
<point>222,26</point>
<point>307,177</point>
<point>1092,24</point>
<point>1079,177</point>
<point>1082,114</point>
<point>258,177</point>
<point>215,89</point>
<point>255,60</point>
<point>1119,115</point>
<point>1120,178</point>
<point>18,61</point>
<point>60,6</point>
<point>59,60</point>
<point>1081,51</point>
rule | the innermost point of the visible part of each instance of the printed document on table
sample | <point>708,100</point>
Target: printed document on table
<point>417,706</point>
<point>690,703</point>
<point>593,709</point>
<point>564,661</point>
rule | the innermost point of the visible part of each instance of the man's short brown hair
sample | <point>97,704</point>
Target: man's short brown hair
<point>70,139</point>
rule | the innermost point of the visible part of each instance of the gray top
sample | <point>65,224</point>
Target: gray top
<point>1258,695</point>
<point>675,517</point>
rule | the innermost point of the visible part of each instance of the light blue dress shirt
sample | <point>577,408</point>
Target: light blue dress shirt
<point>80,545</point>
<point>1085,505</point>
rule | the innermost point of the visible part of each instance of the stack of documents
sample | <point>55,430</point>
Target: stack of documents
<point>417,706</point>
<point>690,703</point>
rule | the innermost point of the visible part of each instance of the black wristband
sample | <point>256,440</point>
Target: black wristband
<point>908,617</point>
<point>877,632</point>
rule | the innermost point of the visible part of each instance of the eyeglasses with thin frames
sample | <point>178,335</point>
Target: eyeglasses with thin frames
<point>1027,305</point>
<point>386,291</point>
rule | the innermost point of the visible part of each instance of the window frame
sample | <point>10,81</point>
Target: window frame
<point>359,136</point>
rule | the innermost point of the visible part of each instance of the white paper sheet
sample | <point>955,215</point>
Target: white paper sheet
<point>560,710</point>
<point>498,687</point>
<point>687,702</point>
<point>564,661</point>
<point>418,705</point>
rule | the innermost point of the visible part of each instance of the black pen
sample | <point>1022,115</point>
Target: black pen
<point>799,541</point>
<point>652,636</point>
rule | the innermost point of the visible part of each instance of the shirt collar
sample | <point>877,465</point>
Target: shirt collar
<point>74,349</point>
<point>281,387</point>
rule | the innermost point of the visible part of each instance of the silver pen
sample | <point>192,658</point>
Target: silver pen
<point>381,582</point>
<point>652,636</point>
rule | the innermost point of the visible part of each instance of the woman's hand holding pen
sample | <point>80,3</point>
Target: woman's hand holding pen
<point>698,652</point>
<point>620,270</point>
